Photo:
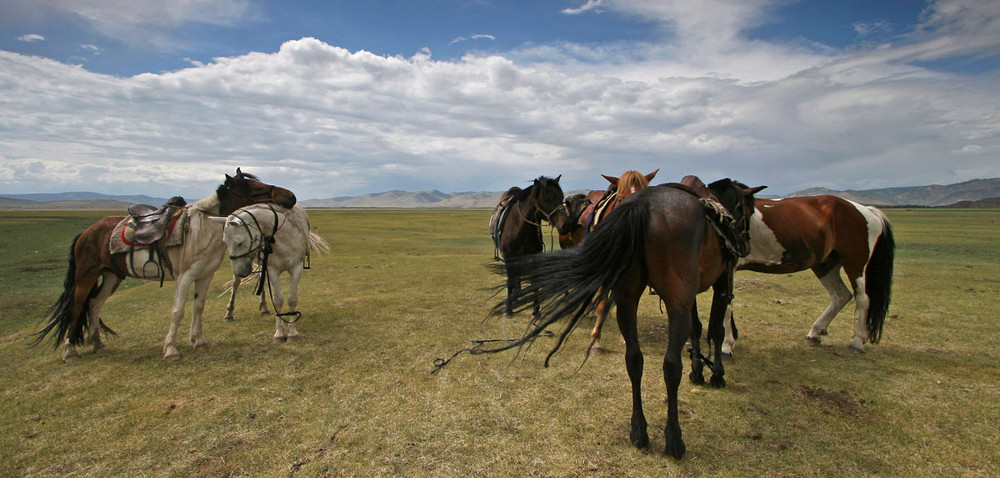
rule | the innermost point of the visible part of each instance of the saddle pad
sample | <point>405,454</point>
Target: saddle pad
<point>122,238</point>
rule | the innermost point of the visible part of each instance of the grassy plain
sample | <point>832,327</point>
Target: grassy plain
<point>401,288</point>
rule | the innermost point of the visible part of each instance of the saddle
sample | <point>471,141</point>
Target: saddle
<point>150,223</point>
<point>721,220</point>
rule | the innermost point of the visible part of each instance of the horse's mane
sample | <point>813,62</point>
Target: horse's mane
<point>520,194</point>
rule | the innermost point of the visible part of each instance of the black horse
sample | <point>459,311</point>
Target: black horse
<point>516,224</point>
<point>668,237</point>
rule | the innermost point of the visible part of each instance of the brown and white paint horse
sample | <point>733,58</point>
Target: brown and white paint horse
<point>95,273</point>
<point>826,234</point>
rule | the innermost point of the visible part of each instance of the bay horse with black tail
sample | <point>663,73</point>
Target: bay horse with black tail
<point>826,234</point>
<point>95,271</point>
<point>516,223</point>
<point>662,237</point>
<point>604,202</point>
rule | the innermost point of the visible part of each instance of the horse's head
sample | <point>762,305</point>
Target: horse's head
<point>549,202</point>
<point>738,199</point>
<point>575,205</point>
<point>246,189</point>
<point>631,181</point>
<point>247,232</point>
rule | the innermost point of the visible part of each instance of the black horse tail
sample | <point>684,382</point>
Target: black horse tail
<point>570,282</point>
<point>878,281</point>
<point>60,315</point>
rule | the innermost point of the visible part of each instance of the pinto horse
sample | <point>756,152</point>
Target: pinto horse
<point>661,237</point>
<point>95,272</point>
<point>601,204</point>
<point>516,223</point>
<point>279,239</point>
<point>826,234</point>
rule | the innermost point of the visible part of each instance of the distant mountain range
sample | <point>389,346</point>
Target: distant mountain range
<point>975,193</point>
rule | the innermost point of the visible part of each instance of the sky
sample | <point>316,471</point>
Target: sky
<point>337,98</point>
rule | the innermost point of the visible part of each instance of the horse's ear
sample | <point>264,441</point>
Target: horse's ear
<point>611,179</point>
<point>218,219</point>
<point>238,172</point>
<point>650,176</point>
<point>557,178</point>
<point>756,189</point>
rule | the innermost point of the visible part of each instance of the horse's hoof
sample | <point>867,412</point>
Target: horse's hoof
<point>204,344</point>
<point>697,379</point>
<point>727,355</point>
<point>71,358</point>
<point>279,340</point>
<point>717,382</point>
<point>98,346</point>
<point>171,357</point>
<point>675,450</point>
<point>294,338</point>
<point>229,318</point>
<point>860,349</point>
<point>814,341</point>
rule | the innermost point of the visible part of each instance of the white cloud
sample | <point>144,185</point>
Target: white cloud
<point>31,38</point>
<point>325,121</point>
<point>147,22</point>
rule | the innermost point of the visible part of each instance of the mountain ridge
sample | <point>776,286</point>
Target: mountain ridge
<point>973,193</point>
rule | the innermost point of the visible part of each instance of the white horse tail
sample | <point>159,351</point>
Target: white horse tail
<point>318,244</point>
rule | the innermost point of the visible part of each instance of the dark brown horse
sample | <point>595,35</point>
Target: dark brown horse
<point>516,224</point>
<point>601,204</point>
<point>95,271</point>
<point>662,237</point>
<point>826,234</point>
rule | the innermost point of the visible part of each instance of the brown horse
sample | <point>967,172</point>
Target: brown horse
<point>662,237</point>
<point>95,272</point>
<point>516,224</point>
<point>827,234</point>
<point>601,204</point>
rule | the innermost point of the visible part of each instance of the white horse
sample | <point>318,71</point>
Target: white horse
<point>96,270</point>
<point>279,240</point>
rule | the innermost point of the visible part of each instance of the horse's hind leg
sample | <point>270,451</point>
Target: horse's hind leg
<point>197,310</point>
<point>633,364</point>
<point>840,295</point>
<point>109,284</point>
<point>281,331</point>
<point>697,375</point>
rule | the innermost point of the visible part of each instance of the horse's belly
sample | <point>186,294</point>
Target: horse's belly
<point>145,263</point>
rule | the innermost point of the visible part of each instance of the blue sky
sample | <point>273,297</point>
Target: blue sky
<point>334,98</point>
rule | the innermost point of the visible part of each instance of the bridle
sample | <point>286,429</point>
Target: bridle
<point>264,242</point>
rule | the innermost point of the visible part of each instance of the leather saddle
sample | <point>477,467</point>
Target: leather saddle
<point>151,222</point>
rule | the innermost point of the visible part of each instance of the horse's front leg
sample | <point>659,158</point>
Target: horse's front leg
<point>232,299</point>
<point>721,300</point>
<point>729,343</point>
<point>170,352</point>
<point>281,332</point>
<point>197,311</point>
<point>513,288</point>
<point>293,299</point>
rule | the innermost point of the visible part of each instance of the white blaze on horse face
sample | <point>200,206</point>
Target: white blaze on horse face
<point>764,245</point>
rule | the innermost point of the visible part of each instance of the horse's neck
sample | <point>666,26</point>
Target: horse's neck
<point>209,205</point>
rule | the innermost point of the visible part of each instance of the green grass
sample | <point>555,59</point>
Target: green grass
<point>401,288</point>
